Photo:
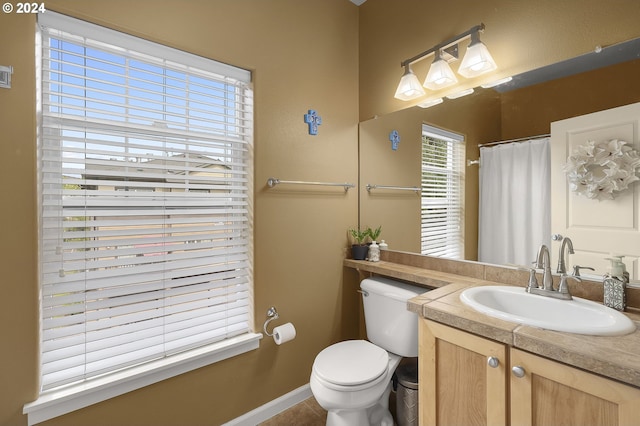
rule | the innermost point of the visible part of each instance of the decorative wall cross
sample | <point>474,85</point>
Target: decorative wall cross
<point>394,137</point>
<point>313,120</point>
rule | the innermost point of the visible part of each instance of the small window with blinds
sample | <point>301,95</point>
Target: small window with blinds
<point>144,187</point>
<point>442,193</point>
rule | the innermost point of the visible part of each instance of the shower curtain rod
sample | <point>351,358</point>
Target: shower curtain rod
<point>514,140</point>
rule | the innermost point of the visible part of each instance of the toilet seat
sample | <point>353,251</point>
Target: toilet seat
<point>351,364</point>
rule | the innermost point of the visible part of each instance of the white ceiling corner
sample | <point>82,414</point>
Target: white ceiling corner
<point>357,2</point>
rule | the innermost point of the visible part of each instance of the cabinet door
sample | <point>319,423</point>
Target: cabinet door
<point>550,393</point>
<point>457,385</point>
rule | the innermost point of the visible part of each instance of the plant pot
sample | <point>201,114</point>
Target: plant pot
<point>359,252</point>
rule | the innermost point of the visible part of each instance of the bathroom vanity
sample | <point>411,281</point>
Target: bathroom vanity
<point>484,371</point>
<point>478,370</point>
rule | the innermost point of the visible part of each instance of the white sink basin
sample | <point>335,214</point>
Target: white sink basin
<point>572,316</point>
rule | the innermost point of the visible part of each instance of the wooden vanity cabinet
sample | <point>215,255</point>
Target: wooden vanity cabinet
<point>457,386</point>
<point>551,393</point>
<point>469,380</point>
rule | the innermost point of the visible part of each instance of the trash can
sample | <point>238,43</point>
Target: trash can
<point>407,392</point>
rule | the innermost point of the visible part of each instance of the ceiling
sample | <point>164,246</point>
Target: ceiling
<point>357,2</point>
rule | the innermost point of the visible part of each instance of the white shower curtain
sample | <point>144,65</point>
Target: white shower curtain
<point>515,202</point>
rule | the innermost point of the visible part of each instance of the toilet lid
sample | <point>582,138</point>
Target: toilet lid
<point>351,363</point>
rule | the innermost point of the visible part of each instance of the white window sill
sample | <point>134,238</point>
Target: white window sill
<point>57,402</point>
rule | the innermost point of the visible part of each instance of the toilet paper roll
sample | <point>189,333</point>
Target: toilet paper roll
<point>284,333</point>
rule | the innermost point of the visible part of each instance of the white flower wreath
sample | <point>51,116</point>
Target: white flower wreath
<point>600,170</point>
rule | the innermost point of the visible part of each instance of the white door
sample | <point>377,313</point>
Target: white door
<point>596,228</point>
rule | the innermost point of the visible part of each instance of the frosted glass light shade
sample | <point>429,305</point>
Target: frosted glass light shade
<point>460,94</point>
<point>430,103</point>
<point>477,60</point>
<point>440,75</point>
<point>409,87</point>
<point>496,82</point>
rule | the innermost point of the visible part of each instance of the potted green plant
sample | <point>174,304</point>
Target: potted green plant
<point>374,234</point>
<point>374,248</point>
<point>359,248</point>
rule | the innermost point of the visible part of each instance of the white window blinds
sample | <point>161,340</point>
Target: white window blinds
<point>442,193</point>
<point>144,186</point>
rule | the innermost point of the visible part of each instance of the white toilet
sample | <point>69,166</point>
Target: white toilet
<point>352,379</point>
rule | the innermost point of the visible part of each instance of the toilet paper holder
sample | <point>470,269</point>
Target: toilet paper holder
<point>272,314</point>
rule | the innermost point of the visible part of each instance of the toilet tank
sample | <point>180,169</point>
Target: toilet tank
<point>389,324</point>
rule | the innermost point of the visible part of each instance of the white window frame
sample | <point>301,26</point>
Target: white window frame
<point>442,234</point>
<point>64,399</point>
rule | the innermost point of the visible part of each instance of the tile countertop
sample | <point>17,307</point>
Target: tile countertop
<point>615,357</point>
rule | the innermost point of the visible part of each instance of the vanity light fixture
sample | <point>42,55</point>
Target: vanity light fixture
<point>477,61</point>
<point>409,87</point>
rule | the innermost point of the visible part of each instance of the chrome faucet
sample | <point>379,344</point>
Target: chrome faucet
<point>576,270</point>
<point>562,267</point>
<point>543,262</point>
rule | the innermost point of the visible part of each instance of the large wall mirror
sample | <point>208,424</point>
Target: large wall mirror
<point>522,109</point>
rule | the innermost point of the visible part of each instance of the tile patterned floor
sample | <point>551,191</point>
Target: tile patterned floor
<point>306,413</point>
<point>309,413</point>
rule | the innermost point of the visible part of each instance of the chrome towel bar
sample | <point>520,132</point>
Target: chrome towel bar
<point>399,188</point>
<point>271,182</point>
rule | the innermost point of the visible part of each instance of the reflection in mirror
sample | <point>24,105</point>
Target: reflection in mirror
<point>514,213</point>
<point>520,109</point>
<point>441,203</point>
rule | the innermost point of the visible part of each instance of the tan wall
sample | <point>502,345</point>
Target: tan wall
<point>521,35</point>
<point>304,56</point>
<point>18,304</point>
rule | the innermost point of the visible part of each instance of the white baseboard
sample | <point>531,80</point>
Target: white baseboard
<point>271,408</point>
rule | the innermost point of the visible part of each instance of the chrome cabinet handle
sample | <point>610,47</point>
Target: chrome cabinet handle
<point>493,362</point>
<point>518,371</point>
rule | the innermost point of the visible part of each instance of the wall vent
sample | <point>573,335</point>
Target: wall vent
<point>5,77</point>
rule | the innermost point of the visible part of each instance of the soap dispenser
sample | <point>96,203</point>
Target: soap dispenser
<point>374,252</point>
<point>615,284</point>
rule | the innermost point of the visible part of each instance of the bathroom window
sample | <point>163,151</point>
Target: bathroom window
<point>442,193</point>
<point>144,189</point>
